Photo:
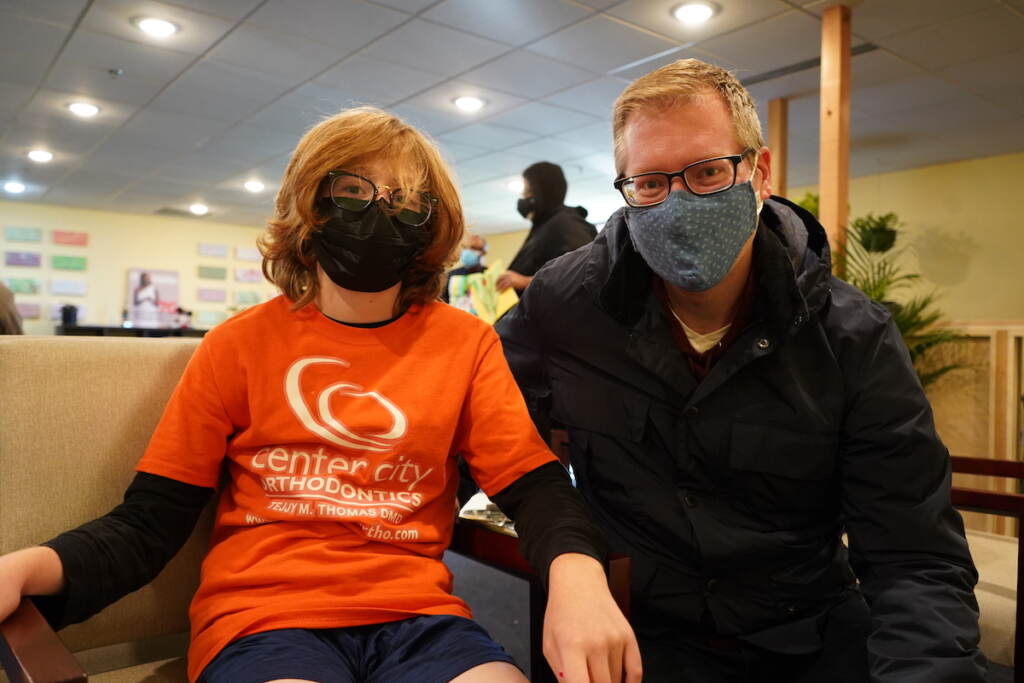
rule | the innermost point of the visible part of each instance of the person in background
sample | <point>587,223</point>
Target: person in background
<point>471,260</point>
<point>733,409</point>
<point>10,321</point>
<point>318,416</point>
<point>556,230</point>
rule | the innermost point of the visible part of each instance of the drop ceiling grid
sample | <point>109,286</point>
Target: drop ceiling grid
<point>284,73</point>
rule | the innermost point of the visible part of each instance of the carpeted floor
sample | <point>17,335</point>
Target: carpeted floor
<point>501,604</point>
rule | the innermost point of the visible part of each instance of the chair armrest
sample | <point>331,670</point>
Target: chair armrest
<point>31,652</point>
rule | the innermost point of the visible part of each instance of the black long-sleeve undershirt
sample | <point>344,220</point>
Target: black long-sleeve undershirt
<point>109,557</point>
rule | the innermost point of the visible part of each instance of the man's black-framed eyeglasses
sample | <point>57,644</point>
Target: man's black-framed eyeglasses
<point>705,177</point>
<point>353,192</point>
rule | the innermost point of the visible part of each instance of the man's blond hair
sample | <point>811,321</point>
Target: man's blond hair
<point>679,83</point>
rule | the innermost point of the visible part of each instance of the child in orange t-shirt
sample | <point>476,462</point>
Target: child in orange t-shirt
<point>330,419</point>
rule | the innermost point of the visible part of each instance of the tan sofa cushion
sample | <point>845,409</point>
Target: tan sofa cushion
<point>77,415</point>
<point>163,671</point>
<point>995,556</point>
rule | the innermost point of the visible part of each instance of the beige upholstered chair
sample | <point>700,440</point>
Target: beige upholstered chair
<point>77,415</point>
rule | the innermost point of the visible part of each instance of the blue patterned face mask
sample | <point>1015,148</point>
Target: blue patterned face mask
<point>692,241</point>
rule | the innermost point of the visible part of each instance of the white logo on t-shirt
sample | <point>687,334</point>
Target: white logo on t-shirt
<point>328,426</point>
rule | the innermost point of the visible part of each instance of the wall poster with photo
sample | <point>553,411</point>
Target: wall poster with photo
<point>152,299</point>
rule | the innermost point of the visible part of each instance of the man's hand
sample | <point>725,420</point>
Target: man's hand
<point>586,637</point>
<point>511,278</point>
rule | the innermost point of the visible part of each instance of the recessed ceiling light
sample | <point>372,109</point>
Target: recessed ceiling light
<point>694,13</point>
<point>516,185</point>
<point>158,28</point>
<point>468,103</point>
<point>40,156</point>
<point>14,187</point>
<point>84,109</point>
<point>253,186</point>
<point>199,209</point>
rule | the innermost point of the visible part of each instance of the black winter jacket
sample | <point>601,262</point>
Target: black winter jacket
<point>731,495</point>
<point>551,236</point>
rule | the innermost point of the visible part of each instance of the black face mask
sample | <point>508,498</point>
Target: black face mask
<point>366,251</point>
<point>525,206</point>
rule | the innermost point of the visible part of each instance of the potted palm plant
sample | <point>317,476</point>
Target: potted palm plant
<point>871,262</point>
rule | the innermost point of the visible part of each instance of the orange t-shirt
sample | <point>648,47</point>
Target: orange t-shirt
<point>338,444</point>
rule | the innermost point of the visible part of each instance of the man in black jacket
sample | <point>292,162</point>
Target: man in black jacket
<point>733,409</point>
<point>556,229</point>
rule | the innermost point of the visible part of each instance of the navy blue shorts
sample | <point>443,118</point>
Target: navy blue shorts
<point>422,649</point>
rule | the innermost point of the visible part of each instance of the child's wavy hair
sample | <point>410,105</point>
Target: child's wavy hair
<point>346,139</point>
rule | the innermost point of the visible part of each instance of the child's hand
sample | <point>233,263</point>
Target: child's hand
<point>586,637</point>
<point>32,571</point>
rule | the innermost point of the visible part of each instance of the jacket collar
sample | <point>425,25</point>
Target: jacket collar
<point>792,268</point>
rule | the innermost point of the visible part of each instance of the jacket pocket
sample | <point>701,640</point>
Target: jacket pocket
<point>783,452</point>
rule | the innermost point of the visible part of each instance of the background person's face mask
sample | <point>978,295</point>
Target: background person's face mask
<point>365,251</point>
<point>470,258</point>
<point>692,241</point>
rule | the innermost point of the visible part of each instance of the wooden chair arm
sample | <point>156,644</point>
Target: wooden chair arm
<point>31,652</point>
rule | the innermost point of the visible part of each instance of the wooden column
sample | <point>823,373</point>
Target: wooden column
<point>834,147</point>
<point>778,142</point>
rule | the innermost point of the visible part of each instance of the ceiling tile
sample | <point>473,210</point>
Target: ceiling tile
<point>411,6</point>
<point>221,91</point>
<point>441,98</point>
<point>875,19</point>
<point>169,130</point>
<point>433,121</point>
<point>990,74</point>
<point>271,172</point>
<point>206,168</point>
<point>647,66</point>
<point>302,108</point>
<point>501,163</point>
<point>114,17</point>
<point>528,74</point>
<point>62,12</point>
<point>989,33</point>
<point>232,10</point>
<point>31,173</point>
<point>12,98</point>
<point>543,119</point>
<point>87,48</point>
<point>656,15</point>
<point>550,149</point>
<point>455,152</point>
<point>509,21</point>
<point>601,44</point>
<point>279,54</point>
<point>29,48</point>
<point>48,110</point>
<point>121,156</point>
<point>487,135</point>
<point>434,48</point>
<point>348,23</point>
<point>97,182</point>
<point>900,95</point>
<point>597,136</point>
<point>76,139</point>
<point>69,76</point>
<point>374,81</point>
<point>253,144</point>
<point>771,44</point>
<point>799,84</point>
<point>600,4</point>
<point>595,97</point>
